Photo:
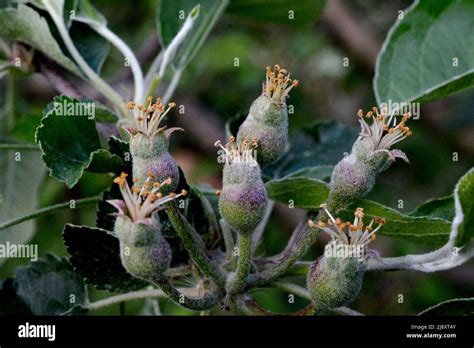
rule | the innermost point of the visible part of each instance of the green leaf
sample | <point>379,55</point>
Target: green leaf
<point>104,219</point>
<point>208,210</point>
<point>309,193</point>
<point>426,231</point>
<point>121,148</point>
<point>303,192</point>
<point>19,185</point>
<point>313,149</point>
<point>7,3</point>
<point>87,13</point>
<point>95,255</point>
<point>232,124</point>
<point>458,306</point>
<point>57,6</point>
<point>91,46</point>
<point>171,16</point>
<point>463,224</point>
<point>102,113</point>
<point>65,5</point>
<point>208,193</point>
<point>321,172</point>
<point>70,143</point>
<point>320,144</point>
<point>428,54</point>
<point>69,5</point>
<point>49,286</point>
<point>26,25</point>
<point>201,214</point>
<point>287,12</point>
<point>437,207</point>
<point>102,161</point>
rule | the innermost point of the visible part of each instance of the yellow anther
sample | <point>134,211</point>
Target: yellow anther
<point>121,180</point>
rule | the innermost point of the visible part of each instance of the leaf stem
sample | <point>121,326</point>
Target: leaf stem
<point>193,244</point>
<point>95,79</point>
<point>173,46</point>
<point>10,104</point>
<point>136,295</point>
<point>162,61</point>
<point>19,146</point>
<point>128,54</point>
<point>445,258</point>
<point>80,203</point>
<point>345,311</point>
<point>291,288</point>
<point>208,301</point>
<point>178,271</point>
<point>302,240</point>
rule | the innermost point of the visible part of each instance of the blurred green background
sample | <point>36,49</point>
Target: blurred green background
<point>215,90</point>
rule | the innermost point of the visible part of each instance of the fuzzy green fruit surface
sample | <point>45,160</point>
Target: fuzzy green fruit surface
<point>350,180</point>
<point>354,176</point>
<point>144,252</point>
<point>376,161</point>
<point>150,155</point>
<point>147,147</point>
<point>268,123</point>
<point>243,198</point>
<point>334,281</point>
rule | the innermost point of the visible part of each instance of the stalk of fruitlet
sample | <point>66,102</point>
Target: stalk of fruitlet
<point>354,176</point>
<point>242,202</point>
<point>149,144</point>
<point>334,279</point>
<point>267,121</point>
